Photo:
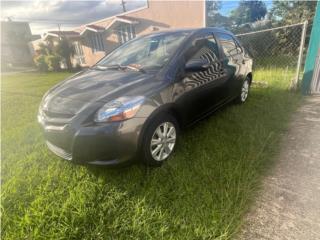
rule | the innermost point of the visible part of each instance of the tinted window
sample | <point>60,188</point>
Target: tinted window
<point>204,48</point>
<point>228,44</point>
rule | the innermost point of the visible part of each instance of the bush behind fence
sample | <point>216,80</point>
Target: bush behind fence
<point>276,47</point>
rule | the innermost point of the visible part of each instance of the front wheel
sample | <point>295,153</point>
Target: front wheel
<point>159,140</point>
<point>244,92</point>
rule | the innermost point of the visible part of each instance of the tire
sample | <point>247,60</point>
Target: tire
<point>164,145</point>
<point>244,91</point>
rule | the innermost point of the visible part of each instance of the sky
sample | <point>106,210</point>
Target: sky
<point>46,15</point>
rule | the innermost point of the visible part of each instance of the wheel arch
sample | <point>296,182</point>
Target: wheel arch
<point>168,108</point>
<point>249,75</point>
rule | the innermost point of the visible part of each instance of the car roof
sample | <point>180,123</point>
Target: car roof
<point>215,29</point>
<point>189,30</point>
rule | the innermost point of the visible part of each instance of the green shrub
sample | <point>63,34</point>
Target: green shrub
<point>41,63</point>
<point>53,62</point>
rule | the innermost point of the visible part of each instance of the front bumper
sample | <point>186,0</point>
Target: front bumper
<point>100,144</point>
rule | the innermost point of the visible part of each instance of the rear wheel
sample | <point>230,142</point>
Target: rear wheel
<point>159,140</point>
<point>244,92</point>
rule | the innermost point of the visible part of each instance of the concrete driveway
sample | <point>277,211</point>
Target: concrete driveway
<point>289,204</point>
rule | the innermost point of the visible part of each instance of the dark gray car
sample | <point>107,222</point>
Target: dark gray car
<point>135,100</point>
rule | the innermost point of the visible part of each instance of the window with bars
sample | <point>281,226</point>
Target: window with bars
<point>96,42</point>
<point>125,33</point>
<point>79,53</point>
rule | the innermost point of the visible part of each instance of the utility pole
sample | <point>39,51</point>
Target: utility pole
<point>59,31</point>
<point>123,3</point>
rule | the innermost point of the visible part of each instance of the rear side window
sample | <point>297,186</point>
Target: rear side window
<point>228,44</point>
<point>204,47</point>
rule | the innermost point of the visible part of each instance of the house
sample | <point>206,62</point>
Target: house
<point>15,37</point>
<point>96,39</point>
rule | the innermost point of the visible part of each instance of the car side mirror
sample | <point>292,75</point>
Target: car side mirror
<point>197,65</point>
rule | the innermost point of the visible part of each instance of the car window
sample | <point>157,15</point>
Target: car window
<point>228,44</point>
<point>204,48</point>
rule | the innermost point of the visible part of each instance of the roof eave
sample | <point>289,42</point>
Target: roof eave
<point>50,35</point>
<point>121,20</point>
<point>91,30</point>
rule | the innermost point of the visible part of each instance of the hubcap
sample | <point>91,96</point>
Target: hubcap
<point>163,141</point>
<point>245,91</point>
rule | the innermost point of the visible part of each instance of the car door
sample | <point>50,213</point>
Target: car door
<point>233,62</point>
<point>202,90</point>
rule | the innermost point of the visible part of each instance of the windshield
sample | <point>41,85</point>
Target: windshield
<point>146,52</point>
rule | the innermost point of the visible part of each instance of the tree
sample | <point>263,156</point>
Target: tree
<point>53,62</point>
<point>290,12</point>
<point>248,11</point>
<point>218,20</point>
<point>44,49</point>
<point>66,50</point>
<point>212,7</point>
<point>41,63</point>
<point>214,18</point>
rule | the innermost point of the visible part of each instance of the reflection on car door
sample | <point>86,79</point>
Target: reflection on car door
<point>203,90</point>
<point>233,62</point>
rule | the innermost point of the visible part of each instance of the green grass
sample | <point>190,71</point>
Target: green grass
<point>281,61</point>
<point>201,193</point>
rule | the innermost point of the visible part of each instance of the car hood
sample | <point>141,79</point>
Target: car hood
<point>79,91</point>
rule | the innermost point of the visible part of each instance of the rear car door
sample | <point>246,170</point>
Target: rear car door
<point>202,90</point>
<point>233,62</point>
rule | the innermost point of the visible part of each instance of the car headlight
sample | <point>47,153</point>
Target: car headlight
<point>119,109</point>
<point>42,106</point>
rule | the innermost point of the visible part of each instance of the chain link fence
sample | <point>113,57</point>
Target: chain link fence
<point>277,48</point>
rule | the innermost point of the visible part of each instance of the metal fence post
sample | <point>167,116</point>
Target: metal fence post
<point>295,81</point>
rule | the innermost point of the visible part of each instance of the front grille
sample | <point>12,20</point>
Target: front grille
<point>59,151</point>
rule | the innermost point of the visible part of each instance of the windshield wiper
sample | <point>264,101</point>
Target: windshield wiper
<point>119,67</point>
<point>99,67</point>
<point>139,69</point>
